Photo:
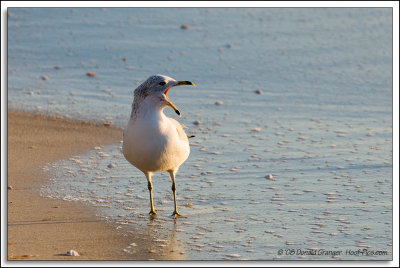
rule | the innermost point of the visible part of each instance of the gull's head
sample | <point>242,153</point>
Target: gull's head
<point>156,88</point>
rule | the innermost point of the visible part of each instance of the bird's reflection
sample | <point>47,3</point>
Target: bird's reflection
<point>162,241</point>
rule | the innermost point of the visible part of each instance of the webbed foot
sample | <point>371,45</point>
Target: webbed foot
<point>177,215</point>
<point>153,213</point>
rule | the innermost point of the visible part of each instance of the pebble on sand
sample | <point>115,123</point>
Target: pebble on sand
<point>185,26</point>
<point>72,252</point>
<point>256,129</point>
<point>45,77</point>
<point>111,165</point>
<point>218,103</point>
<point>197,122</point>
<point>270,177</point>
<point>90,74</point>
<point>258,91</point>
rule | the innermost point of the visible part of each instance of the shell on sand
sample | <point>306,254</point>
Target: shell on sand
<point>72,252</point>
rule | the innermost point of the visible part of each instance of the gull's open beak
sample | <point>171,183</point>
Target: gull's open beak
<point>179,83</point>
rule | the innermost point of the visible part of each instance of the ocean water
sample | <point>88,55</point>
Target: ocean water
<point>292,158</point>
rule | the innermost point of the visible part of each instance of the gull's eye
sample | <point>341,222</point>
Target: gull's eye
<point>162,83</point>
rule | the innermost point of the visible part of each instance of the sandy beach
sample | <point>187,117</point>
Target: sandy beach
<point>45,229</point>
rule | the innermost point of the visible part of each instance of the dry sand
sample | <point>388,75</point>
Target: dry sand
<point>45,229</point>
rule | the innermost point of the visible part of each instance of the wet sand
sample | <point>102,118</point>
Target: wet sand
<point>45,229</point>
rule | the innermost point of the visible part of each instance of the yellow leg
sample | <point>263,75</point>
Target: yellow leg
<point>150,187</point>
<point>175,213</point>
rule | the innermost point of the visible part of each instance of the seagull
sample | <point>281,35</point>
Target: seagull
<point>153,142</point>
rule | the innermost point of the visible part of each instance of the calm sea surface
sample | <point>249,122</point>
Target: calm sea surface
<point>292,157</point>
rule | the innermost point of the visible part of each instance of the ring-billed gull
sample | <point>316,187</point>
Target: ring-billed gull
<point>152,141</point>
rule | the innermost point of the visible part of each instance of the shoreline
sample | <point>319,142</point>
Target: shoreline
<point>41,228</point>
